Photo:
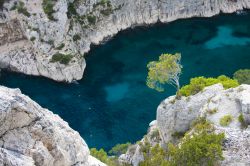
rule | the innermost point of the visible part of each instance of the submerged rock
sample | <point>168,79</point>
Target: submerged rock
<point>214,102</point>
<point>32,37</point>
<point>32,135</point>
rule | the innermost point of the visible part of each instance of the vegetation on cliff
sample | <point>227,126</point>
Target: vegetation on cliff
<point>197,84</point>
<point>243,76</point>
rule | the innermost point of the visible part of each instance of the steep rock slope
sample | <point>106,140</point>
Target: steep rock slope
<point>30,37</point>
<point>213,103</point>
<point>31,135</point>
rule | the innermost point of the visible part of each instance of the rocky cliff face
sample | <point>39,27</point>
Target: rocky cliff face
<point>31,135</point>
<point>213,103</point>
<point>30,37</point>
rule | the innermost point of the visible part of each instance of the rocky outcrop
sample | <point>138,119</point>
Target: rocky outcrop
<point>31,135</point>
<point>214,102</point>
<point>73,28</point>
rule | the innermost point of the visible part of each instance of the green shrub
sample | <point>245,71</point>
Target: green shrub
<point>48,6</point>
<point>61,58</point>
<point>243,76</point>
<point>103,156</point>
<point>154,156</point>
<point>226,120</point>
<point>1,3</point>
<point>199,149</point>
<point>199,83</point>
<point>178,135</point>
<point>51,42</point>
<point>21,8</point>
<point>32,38</point>
<point>71,10</point>
<point>76,37</point>
<point>155,134</point>
<point>91,19</point>
<point>119,149</point>
<point>203,147</point>
<point>242,121</point>
<point>212,111</point>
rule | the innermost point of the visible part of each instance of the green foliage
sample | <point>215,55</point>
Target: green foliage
<point>32,38</point>
<point>51,42</point>
<point>103,156</point>
<point>48,6</point>
<point>60,46</point>
<point>1,3</point>
<point>153,156</point>
<point>76,37</point>
<point>242,121</point>
<point>226,120</point>
<point>178,135</point>
<point>71,10</point>
<point>166,70</point>
<point>119,149</point>
<point>91,19</point>
<point>21,8</point>
<point>199,83</point>
<point>212,111</point>
<point>202,125</point>
<point>198,149</point>
<point>243,76</point>
<point>61,58</point>
<point>155,134</point>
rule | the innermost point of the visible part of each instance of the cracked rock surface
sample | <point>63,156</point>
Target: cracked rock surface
<point>32,135</point>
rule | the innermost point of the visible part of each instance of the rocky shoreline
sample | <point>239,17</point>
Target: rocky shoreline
<point>35,41</point>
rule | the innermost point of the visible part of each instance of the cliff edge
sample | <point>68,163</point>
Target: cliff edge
<point>31,135</point>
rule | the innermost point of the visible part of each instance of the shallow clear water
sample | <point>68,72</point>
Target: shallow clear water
<point>112,104</point>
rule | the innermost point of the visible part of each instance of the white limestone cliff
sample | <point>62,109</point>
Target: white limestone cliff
<point>214,102</point>
<point>28,45</point>
<point>31,135</point>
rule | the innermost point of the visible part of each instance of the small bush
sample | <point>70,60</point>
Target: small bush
<point>91,19</point>
<point>155,134</point>
<point>1,3</point>
<point>199,149</point>
<point>199,83</point>
<point>61,58</point>
<point>32,38</point>
<point>178,135</point>
<point>243,76</point>
<point>119,149</point>
<point>71,10</point>
<point>21,9</point>
<point>48,6</point>
<point>102,156</point>
<point>51,42</point>
<point>242,121</point>
<point>154,156</point>
<point>76,37</point>
<point>212,111</point>
<point>226,120</point>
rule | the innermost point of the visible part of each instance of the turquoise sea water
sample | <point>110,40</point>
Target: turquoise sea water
<point>112,104</point>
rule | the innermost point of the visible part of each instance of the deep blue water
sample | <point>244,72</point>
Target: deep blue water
<point>112,104</point>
